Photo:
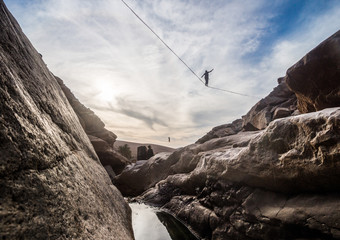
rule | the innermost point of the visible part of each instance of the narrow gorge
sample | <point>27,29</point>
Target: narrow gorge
<point>274,174</point>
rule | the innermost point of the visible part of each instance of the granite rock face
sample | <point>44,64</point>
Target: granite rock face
<point>315,79</point>
<point>52,183</point>
<point>101,138</point>
<point>267,109</point>
<point>89,120</point>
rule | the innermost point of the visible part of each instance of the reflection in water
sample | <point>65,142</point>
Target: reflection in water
<point>147,225</point>
<point>175,228</point>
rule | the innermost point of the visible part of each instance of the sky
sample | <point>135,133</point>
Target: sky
<point>142,92</point>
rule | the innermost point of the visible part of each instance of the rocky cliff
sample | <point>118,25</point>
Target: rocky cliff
<point>101,138</point>
<point>52,183</point>
<point>315,78</point>
<point>275,174</point>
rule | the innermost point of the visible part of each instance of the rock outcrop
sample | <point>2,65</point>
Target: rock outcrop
<point>277,178</point>
<point>108,156</point>
<point>101,138</point>
<point>278,183</point>
<point>315,79</point>
<point>222,131</point>
<point>145,174</point>
<point>89,120</point>
<point>52,183</point>
<point>281,102</point>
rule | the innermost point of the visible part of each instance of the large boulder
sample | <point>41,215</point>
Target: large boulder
<point>315,79</point>
<point>266,110</point>
<point>142,175</point>
<point>109,156</point>
<point>52,183</point>
<point>222,131</point>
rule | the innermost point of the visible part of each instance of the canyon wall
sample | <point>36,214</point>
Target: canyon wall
<point>52,183</point>
<point>102,139</point>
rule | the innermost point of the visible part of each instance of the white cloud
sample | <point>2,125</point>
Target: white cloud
<point>117,67</point>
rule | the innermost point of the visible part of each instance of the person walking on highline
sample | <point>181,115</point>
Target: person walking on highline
<point>206,76</point>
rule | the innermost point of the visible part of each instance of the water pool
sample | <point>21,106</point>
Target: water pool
<point>151,224</point>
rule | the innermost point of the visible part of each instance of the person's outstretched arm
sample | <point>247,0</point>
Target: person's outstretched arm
<point>211,70</point>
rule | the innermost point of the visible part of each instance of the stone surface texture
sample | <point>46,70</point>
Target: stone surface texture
<point>101,138</point>
<point>316,77</point>
<point>89,120</point>
<point>109,156</point>
<point>263,112</point>
<point>278,183</point>
<point>52,183</point>
<point>222,131</point>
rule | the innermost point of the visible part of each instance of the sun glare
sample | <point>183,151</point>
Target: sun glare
<point>106,92</point>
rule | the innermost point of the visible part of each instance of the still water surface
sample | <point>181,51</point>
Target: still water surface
<point>151,224</point>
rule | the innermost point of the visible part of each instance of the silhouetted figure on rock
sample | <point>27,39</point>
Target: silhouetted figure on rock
<point>206,76</point>
<point>141,153</point>
<point>150,152</point>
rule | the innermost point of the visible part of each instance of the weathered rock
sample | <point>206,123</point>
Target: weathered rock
<point>315,79</point>
<point>52,184</point>
<point>101,138</point>
<point>222,131</point>
<point>110,171</point>
<point>145,175</point>
<point>261,114</point>
<point>108,156</point>
<point>290,158</point>
<point>281,112</point>
<point>238,212</point>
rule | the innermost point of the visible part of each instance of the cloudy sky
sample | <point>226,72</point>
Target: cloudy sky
<point>117,67</point>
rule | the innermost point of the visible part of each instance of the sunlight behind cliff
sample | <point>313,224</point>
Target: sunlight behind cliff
<point>154,96</point>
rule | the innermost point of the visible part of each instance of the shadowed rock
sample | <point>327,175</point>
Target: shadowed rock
<point>315,79</point>
<point>263,112</point>
<point>145,175</point>
<point>88,119</point>
<point>101,138</point>
<point>109,156</point>
<point>222,131</point>
<point>52,183</point>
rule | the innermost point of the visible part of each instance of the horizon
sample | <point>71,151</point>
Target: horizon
<point>115,66</point>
